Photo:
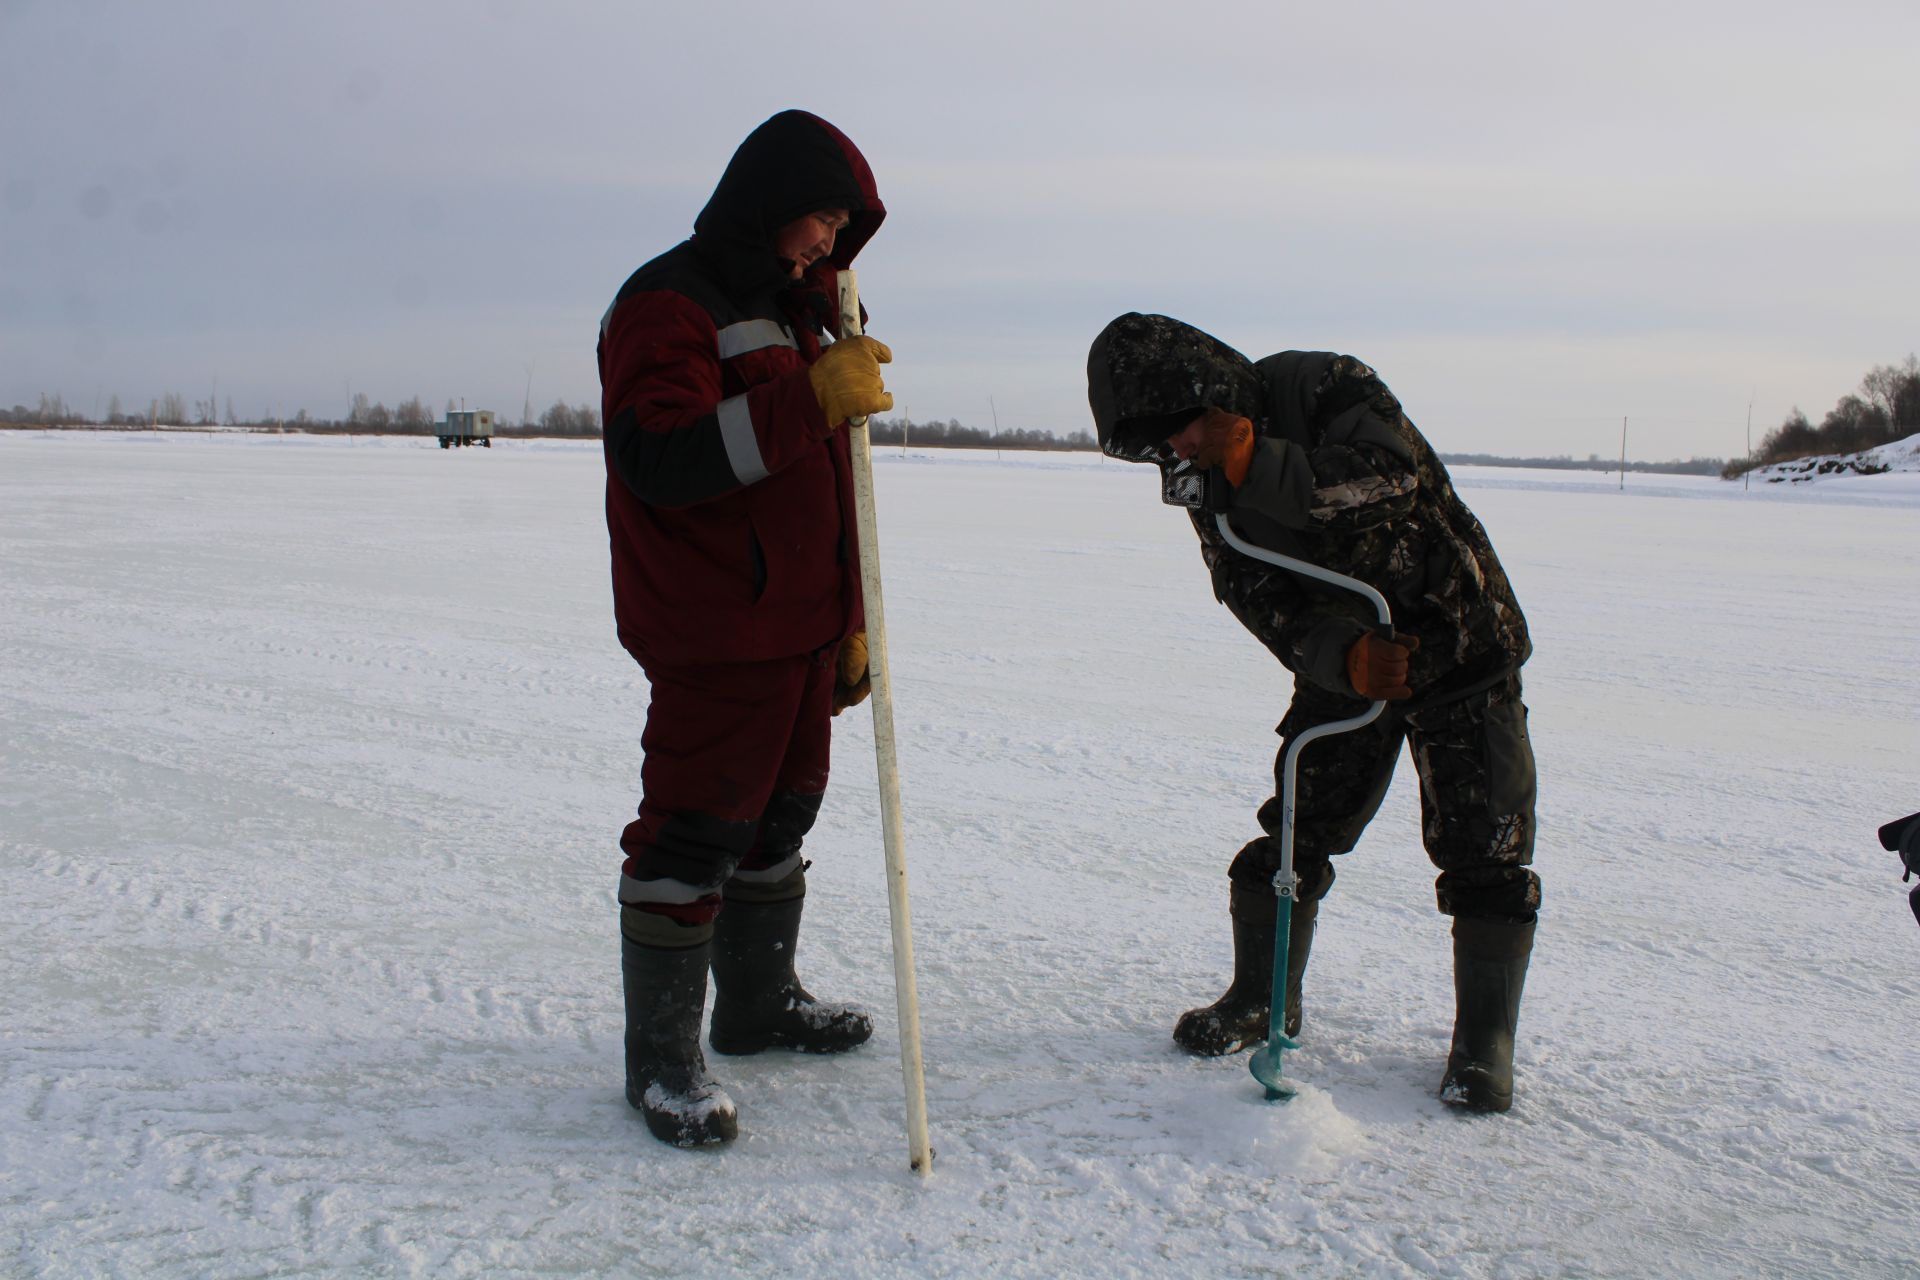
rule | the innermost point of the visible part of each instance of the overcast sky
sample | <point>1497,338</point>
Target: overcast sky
<point>1532,222</point>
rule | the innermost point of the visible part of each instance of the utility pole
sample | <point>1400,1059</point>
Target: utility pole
<point>1747,475</point>
<point>526,405</point>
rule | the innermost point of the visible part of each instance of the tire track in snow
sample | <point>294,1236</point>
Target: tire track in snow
<point>349,966</point>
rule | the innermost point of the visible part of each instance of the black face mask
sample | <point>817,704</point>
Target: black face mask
<point>1184,485</point>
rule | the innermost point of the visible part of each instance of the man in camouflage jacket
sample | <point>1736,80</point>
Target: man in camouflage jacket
<point>1310,455</point>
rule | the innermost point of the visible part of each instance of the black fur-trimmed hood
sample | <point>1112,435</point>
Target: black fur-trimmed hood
<point>793,164</point>
<point>1149,374</point>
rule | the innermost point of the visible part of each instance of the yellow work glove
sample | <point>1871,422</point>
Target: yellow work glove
<point>851,683</point>
<point>846,379</point>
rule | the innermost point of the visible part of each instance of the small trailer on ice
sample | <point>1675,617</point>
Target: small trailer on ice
<point>467,426</point>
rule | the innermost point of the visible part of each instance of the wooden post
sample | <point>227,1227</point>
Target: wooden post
<point>906,997</point>
<point>1747,475</point>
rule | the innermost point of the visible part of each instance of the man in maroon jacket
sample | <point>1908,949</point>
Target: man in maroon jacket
<point>736,588</point>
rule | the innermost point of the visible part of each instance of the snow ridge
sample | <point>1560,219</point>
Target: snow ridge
<point>1898,455</point>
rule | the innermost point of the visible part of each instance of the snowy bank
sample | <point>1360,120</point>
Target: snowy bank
<point>1899,456</point>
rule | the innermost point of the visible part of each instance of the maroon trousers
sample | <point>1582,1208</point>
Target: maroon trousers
<point>736,763</point>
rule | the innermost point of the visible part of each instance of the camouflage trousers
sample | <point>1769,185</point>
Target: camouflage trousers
<point>1476,771</point>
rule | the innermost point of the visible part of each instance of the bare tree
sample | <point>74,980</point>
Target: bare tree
<point>1792,438</point>
<point>1879,386</point>
<point>412,415</point>
<point>565,420</point>
<point>1852,425</point>
<point>558,419</point>
<point>1896,387</point>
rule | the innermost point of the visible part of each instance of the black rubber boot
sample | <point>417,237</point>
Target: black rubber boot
<point>758,1003</point>
<point>667,1079</point>
<point>1242,1016</point>
<point>1489,970</point>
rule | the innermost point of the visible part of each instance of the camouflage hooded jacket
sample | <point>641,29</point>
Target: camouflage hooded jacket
<point>1340,478</point>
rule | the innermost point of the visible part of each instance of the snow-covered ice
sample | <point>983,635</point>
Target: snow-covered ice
<point>313,754</point>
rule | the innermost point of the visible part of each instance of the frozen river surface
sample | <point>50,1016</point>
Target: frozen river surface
<point>313,755</point>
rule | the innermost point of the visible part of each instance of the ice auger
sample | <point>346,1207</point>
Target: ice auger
<point>1265,1063</point>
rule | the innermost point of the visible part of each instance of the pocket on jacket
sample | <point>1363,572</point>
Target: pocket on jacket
<point>1512,784</point>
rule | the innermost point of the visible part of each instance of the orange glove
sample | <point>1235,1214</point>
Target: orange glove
<point>846,379</point>
<point>1226,441</point>
<point>1378,668</point>
<point>851,683</point>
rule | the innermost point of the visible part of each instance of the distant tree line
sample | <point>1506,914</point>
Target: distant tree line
<point>952,435</point>
<point>1887,408</point>
<point>363,417</point>
<point>559,420</point>
<point>1592,462</point>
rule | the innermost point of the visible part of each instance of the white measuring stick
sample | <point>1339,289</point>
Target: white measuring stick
<point>919,1148</point>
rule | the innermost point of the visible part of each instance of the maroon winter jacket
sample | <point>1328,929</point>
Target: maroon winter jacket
<point>729,496</point>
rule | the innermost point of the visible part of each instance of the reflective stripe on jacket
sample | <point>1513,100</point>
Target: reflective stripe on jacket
<point>729,497</point>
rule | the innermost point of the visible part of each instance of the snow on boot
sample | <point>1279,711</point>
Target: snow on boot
<point>1489,970</point>
<point>1242,1016</point>
<point>758,1003</point>
<point>667,1081</point>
